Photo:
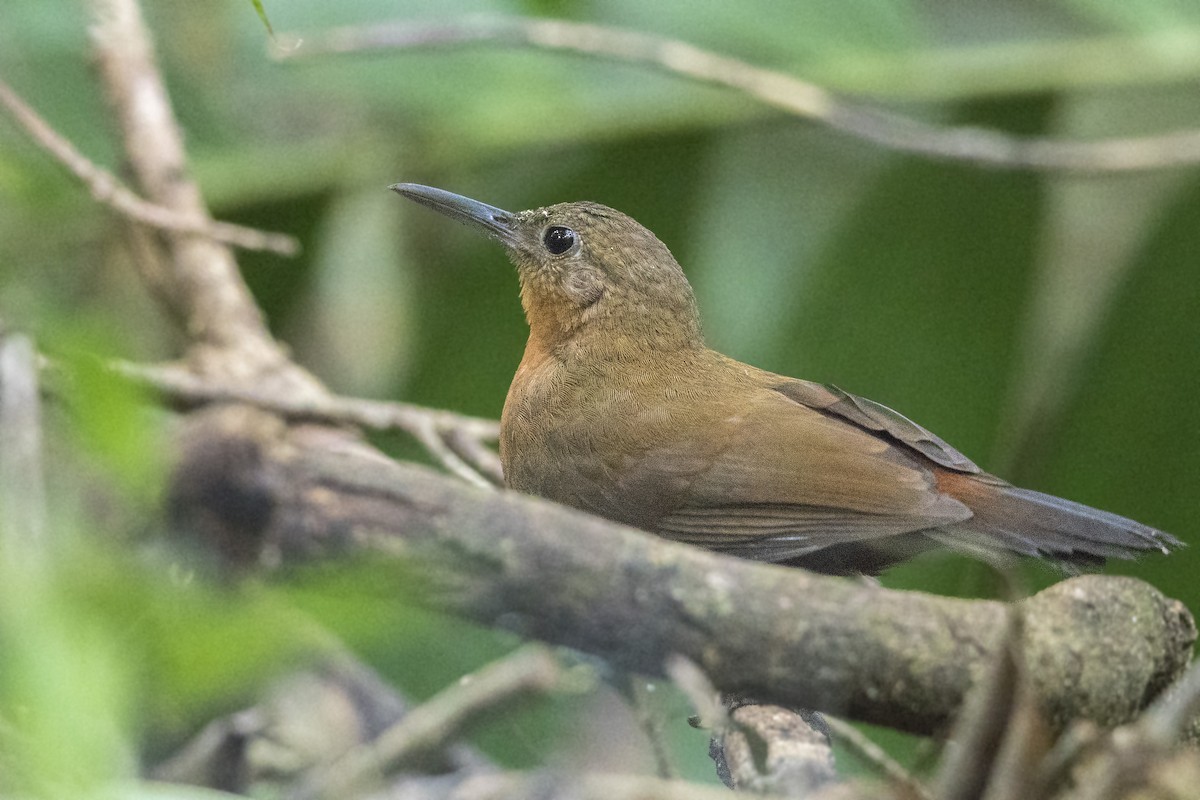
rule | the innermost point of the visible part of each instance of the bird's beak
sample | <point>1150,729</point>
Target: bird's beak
<point>493,221</point>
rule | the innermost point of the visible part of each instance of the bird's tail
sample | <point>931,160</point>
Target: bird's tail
<point>1014,520</point>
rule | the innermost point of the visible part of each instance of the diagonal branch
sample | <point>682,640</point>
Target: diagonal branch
<point>529,672</point>
<point>195,276</point>
<point>877,758</point>
<point>107,189</point>
<point>458,442</point>
<point>777,89</point>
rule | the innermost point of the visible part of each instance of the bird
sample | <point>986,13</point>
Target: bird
<point>619,408</point>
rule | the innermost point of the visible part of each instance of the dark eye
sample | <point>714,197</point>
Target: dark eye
<point>558,239</point>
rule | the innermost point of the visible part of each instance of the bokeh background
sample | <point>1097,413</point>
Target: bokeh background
<point>1046,324</point>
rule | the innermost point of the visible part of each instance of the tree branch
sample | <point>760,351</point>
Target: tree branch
<point>432,725</point>
<point>773,750</point>
<point>107,189</point>
<point>300,725</point>
<point>1095,647</point>
<point>458,442</point>
<point>779,90</point>
<point>875,756</point>
<point>194,275</point>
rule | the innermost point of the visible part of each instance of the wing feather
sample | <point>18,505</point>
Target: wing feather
<point>877,417</point>
<point>788,481</point>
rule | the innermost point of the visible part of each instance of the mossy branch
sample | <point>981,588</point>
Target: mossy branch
<point>268,495</point>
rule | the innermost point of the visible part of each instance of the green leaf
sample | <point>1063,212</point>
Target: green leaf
<point>262,14</point>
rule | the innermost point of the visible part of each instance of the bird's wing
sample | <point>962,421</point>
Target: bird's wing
<point>872,416</point>
<point>788,532</point>
<point>790,479</point>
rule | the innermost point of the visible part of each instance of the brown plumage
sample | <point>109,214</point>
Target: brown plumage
<point>618,408</point>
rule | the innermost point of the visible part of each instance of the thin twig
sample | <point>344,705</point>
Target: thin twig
<point>776,89</point>
<point>22,490</point>
<point>1080,741</point>
<point>711,714</point>
<point>430,427</point>
<point>649,719</point>
<point>855,741</point>
<point>427,434</point>
<point>1168,719</point>
<point>473,450</point>
<point>528,672</point>
<point>107,189</point>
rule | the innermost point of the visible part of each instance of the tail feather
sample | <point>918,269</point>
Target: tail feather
<point>1008,518</point>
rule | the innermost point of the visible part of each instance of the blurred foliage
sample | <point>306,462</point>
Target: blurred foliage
<point>1048,325</point>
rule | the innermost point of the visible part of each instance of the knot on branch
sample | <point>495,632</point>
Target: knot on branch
<point>1109,644</point>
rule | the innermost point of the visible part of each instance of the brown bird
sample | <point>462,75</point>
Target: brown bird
<point>619,408</point>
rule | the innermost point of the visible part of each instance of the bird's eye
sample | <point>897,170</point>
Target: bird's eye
<point>558,239</point>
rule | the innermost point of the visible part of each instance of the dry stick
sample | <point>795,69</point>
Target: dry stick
<point>773,749</point>
<point>530,671</point>
<point>711,714</point>
<point>312,715</point>
<point>107,189</point>
<point>776,89</point>
<point>1080,740</point>
<point>473,450</point>
<point>797,755</point>
<point>443,433</point>
<point>650,719</point>
<point>854,740</point>
<point>196,277</point>
<point>433,442</point>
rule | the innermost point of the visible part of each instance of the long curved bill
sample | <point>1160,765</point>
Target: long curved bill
<point>493,221</point>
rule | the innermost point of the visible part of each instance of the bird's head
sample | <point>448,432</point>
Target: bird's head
<point>584,269</point>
